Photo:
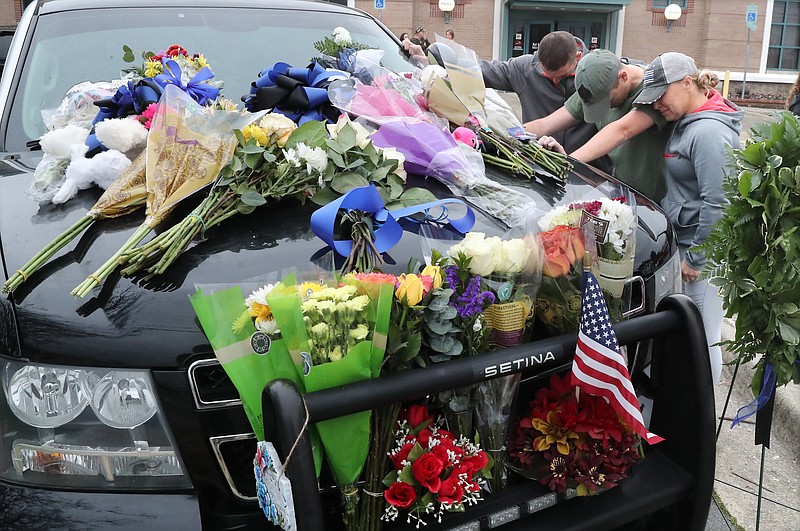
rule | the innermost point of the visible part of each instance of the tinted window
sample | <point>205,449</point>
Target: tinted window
<point>238,44</point>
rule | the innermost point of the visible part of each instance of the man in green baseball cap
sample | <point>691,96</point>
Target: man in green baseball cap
<point>633,137</point>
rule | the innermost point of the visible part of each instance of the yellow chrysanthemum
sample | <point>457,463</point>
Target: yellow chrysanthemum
<point>307,288</point>
<point>254,131</point>
<point>200,61</point>
<point>554,433</point>
<point>153,68</point>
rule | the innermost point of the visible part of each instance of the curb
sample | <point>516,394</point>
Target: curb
<point>786,417</point>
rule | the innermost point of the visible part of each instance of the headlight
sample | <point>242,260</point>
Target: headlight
<point>53,439</point>
<point>668,278</point>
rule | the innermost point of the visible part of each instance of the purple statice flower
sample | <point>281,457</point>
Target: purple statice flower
<point>472,300</point>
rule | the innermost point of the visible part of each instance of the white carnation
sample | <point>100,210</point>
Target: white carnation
<point>341,36</point>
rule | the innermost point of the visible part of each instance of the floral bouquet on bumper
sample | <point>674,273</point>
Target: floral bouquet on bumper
<point>575,441</point>
<point>434,471</point>
<point>558,301</point>
<point>339,333</point>
<point>613,221</point>
<point>511,269</point>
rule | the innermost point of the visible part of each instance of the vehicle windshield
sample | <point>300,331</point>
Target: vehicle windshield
<point>237,42</point>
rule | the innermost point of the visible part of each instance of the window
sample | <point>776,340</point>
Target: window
<point>661,4</point>
<point>784,37</point>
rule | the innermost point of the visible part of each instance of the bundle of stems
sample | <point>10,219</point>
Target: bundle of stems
<point>239,193</point>
<point>373,504</point>
<point>126,194</point>
<point>522,157</point>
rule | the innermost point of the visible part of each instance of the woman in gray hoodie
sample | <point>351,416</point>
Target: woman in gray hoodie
<point>706,124</point>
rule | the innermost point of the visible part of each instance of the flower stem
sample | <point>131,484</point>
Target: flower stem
<point>46,253</point>
<point>104,270</point>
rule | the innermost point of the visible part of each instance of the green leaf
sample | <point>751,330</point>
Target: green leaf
<point>253,198</point>
<point>239,137</point>
<point>345,182</point>
<point>406,476</point>
<point>347,137</point>
<point>324,196</point>
<point>390,478</point>
<point>250,149</point>
<point>312,133</point>
<point>253,160</point>
<point>413,345</point>
<point>416,196</point>
<point>244,209</point>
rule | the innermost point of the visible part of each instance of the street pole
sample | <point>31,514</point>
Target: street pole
<point>746,59</point>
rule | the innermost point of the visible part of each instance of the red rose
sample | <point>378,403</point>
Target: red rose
<point>447,451</point>
<point>400,494</point>
<point>417,414</point>
<point>451,490</point>
<point>444,434</point>
<point>401,455</point>
<point>476,462</point>
<point>426,470</point>
<point>423,437</point>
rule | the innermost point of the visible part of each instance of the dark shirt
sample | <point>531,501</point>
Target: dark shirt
<point>422,42</point>
<point>794,105</point>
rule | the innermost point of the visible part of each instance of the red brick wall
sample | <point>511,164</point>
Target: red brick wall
<point>472,20</point>
<point>713,32</point>
<point>10,11</point>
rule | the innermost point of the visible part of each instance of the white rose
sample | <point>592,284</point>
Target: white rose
<point>514,258</point>
<point>341,36</point>
<point>362,134</point>
<point>486,253</point>
<point>276,124</point>
<point>392,153</point>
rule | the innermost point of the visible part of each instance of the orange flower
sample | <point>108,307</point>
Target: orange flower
<point>563,246</point>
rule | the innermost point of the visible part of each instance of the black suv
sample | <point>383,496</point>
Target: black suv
<point>189,466</point>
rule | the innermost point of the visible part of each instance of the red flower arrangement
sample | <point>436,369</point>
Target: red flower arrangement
<point>433,471</point>
<point>573,442</point>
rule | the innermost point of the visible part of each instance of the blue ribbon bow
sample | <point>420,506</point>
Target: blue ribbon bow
<point>300,94</point>
<point>367,199</point>
<point>196,88</point>
<point>131,98</point>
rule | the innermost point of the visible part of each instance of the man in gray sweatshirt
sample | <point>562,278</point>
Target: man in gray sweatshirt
<point>543,81</point>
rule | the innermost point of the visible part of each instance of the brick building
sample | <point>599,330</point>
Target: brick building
<point>714,32</point>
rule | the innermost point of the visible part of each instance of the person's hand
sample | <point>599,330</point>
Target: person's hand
<point>548,142</point>
<point>415,50</point>
<point>689,274</point>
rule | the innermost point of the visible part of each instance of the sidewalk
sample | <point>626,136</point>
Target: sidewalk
<point>739,459</point>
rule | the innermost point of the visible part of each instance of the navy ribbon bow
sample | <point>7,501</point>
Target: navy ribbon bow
<point>131,98</point>
<point>196,88</point>
<point>300,94</point>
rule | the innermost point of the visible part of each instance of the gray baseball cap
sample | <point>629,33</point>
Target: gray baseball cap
<point>595,76</point>
<point>665,69</point>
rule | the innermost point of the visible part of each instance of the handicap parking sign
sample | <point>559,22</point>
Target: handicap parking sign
<point>751,16</point>
<point>380,4</point>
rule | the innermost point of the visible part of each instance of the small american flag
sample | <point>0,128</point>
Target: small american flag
<point>598,367</point>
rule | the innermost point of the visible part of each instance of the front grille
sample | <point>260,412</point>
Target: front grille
<point>211,386</point>
<point>235,454</point>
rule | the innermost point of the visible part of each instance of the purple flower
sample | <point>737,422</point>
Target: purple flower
<point>472,300</point>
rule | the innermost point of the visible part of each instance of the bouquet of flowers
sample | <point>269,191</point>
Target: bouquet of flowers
<point>569,441</point>
<point>511,269</point>
<point>339,331</point>
<point>413,291</point>
<point>434,472</point>
<point>558,301</point>
<point>239,325</point>
<point>187,146</point>
<point>613,221</point>
<point>341,52</point>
